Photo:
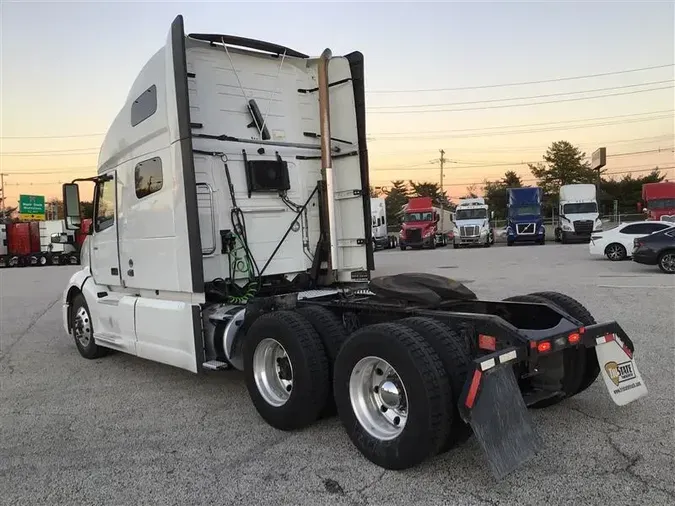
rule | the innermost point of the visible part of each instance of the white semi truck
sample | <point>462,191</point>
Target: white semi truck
<point>578,213</point>
<point>232,231</point>
<point>381,237</point>
<point>472,223</point>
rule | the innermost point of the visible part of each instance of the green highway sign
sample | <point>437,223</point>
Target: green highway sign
<point>32,207</point>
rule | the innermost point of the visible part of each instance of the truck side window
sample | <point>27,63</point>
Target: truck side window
<point>144,106</point>
<point>105,205</point>
<point>148,177</point>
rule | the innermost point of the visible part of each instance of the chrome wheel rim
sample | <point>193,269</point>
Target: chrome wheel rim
<point>82,327</point>
<point>273,372</point>
<point>668,262</point>
<point>614,252</point>
<point>379,398</point>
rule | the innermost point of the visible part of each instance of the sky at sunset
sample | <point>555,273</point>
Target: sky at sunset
<point>435,76</point>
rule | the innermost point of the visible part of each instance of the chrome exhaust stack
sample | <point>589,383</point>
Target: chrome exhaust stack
<point>326,159</point>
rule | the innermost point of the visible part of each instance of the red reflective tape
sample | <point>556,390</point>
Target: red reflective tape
<point>473,389</point>
<point>609,337</point>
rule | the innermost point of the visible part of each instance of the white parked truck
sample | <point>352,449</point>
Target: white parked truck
<point>381,237</point>
<point>232,231</point>
<point>472,224</point>
<point>578,213</point>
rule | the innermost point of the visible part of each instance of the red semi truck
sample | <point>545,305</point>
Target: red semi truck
<point>38,243</point>
<point>658,201</point>
<point>424,225</point>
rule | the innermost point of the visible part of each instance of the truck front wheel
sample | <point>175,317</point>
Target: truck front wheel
<point>82,329</point>
<point>286,370</point>
<point>393,395</point>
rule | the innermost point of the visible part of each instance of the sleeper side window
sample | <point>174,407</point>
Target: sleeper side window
<point>105,205</point>
<point>148,177</point>
<point>144,106</point>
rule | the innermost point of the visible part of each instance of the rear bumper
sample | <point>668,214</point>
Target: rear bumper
<point>646,257</point>
<point>492,403</point>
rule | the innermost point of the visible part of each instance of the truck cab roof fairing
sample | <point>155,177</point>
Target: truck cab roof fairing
<point>259,45</point>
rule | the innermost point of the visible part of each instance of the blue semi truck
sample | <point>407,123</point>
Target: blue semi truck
<point>525,219</point>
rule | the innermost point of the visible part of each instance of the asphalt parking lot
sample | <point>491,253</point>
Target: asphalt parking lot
<point>121,430</point>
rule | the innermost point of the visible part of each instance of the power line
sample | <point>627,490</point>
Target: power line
<point>524,105</point>
<point>63,152</point>
<point>509,164</point>
<point>71,136</point>
<point>548,95</point>
<point>522,83</point>
<point>498,127</point>
<point>539,147</point>
<point>530,131</point>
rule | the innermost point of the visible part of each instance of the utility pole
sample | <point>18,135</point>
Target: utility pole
<point>441,187</point>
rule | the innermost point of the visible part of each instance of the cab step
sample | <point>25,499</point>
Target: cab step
<point>216,365</point>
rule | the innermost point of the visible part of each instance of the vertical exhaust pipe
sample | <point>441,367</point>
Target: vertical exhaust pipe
<point>326,160</point>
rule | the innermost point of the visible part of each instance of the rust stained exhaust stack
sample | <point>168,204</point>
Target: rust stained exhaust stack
<point>326,160</point>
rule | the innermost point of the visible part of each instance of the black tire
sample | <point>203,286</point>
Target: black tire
<point>450,348</point>
<point>616,252</point>
<point>455,245</point>
<point>509,243</point>
<point>573,359</point>
<point>424,379</point>
<point>307,358</point>
<point>333,335</point>
<point>402,248</point>
<point>666,260</point>
<point>577,310</point>
<point>86,347</point>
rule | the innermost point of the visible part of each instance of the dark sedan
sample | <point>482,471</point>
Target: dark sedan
<point>656,249</point>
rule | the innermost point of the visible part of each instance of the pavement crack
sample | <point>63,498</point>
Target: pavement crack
<point>603,420</point>
<point>628,468</point>
<point>360,493</point>
<point>5,352</point>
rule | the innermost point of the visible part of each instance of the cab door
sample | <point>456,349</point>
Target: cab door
<point>105,264</point>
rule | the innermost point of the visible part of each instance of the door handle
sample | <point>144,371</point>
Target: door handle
<point>114,271</point>
<point>95,248</point>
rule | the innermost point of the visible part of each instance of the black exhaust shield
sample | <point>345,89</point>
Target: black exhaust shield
<point>494,407</point>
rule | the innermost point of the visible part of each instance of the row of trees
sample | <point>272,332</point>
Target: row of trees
<point>562,164</point>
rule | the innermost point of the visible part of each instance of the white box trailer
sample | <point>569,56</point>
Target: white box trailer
<point>232,230</point>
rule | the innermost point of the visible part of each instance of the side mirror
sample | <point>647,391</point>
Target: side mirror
<point>71,206</point>
<point>438,218</point>
<point>645,210</point>
<point>492,215</point>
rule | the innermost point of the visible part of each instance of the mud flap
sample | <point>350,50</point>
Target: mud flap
<point>494,407</point>
<point>619,370</point>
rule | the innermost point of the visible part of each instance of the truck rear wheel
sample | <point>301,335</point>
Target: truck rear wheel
<point>285,369</point>
<point>333,335</point>
<point>450,348</point>
<point>392,395</point>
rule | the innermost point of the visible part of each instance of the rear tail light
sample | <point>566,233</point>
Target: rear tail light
<point>544,346</point>
<point>574,338</point>
<point>487,342</point>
